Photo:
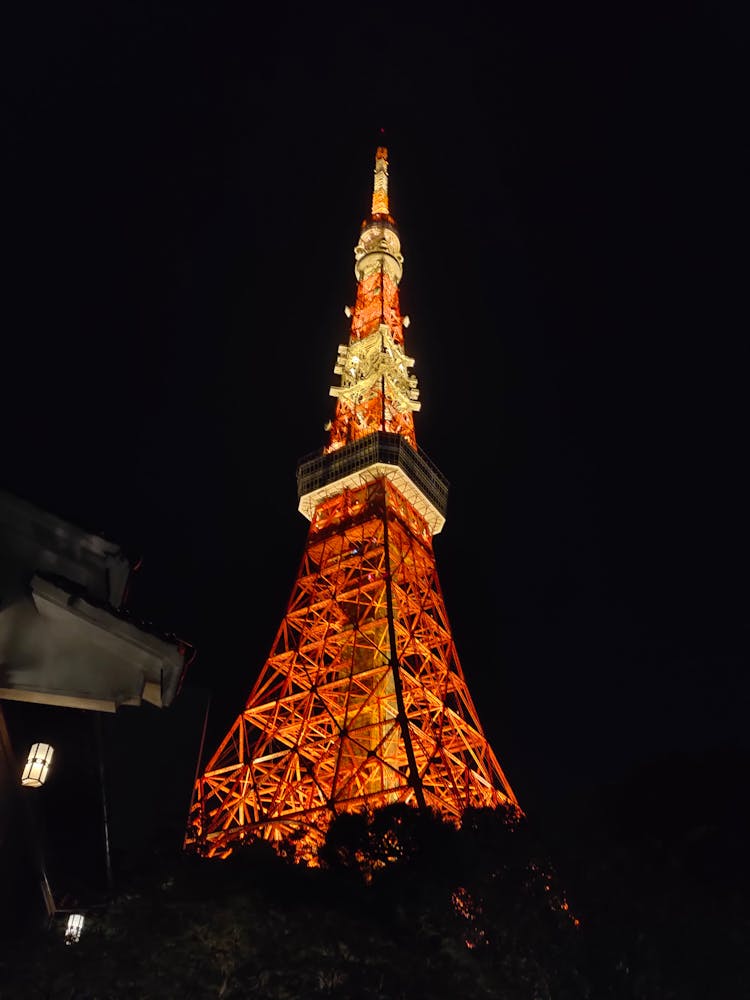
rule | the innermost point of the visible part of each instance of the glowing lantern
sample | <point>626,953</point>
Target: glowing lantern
<point>74,928</point>
<point>37,765</point>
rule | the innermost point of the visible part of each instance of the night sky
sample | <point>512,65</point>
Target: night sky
<point>182,195</point>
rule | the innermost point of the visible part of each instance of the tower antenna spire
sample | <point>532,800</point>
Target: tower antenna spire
<point>380,183</point>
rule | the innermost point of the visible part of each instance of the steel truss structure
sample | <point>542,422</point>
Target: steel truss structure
<point>362,701</point>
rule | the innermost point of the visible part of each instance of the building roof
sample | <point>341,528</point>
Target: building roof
<point>65,638</point>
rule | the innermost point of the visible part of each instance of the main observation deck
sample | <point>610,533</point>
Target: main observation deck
<point>322,475</point>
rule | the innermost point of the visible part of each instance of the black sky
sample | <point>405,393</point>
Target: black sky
<point>183,194</point>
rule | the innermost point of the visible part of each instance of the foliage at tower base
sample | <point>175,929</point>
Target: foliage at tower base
<point>406,906</point>
<point>403,904</point>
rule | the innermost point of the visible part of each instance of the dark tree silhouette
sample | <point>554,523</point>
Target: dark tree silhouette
<point>638,893</point>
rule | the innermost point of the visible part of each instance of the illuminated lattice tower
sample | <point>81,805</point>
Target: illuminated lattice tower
<point>362,701</point>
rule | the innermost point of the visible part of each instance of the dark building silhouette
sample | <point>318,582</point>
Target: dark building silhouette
<point>69,653</point>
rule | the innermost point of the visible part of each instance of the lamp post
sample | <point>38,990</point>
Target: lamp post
<point>34,775</point>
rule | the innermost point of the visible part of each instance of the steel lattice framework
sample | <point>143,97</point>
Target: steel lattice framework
<point>362,701</point>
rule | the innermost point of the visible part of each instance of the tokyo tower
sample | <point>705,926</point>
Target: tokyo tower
<point>362,701</point>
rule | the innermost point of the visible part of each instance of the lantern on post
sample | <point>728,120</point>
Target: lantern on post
<point>37,765</point>
<point>74,928</point>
